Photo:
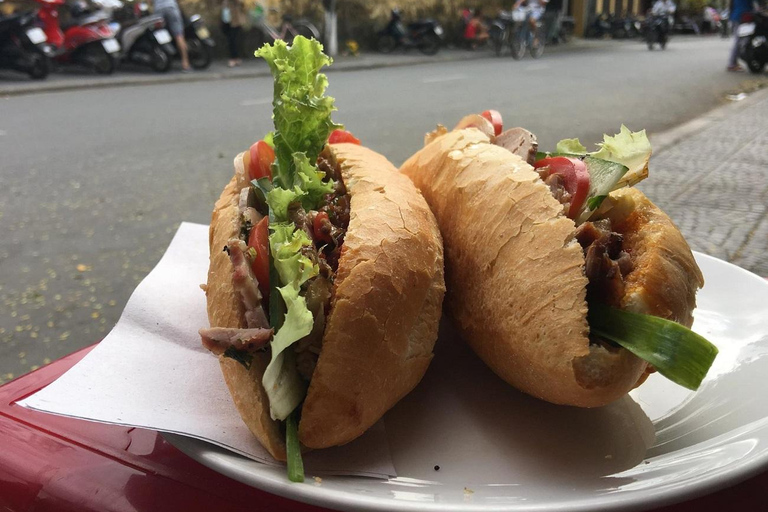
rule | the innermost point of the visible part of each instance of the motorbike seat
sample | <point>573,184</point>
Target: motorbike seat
<point>421,24</point>
<point>87,19</point>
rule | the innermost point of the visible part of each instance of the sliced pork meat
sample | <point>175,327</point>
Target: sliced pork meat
<point>246,284</point>
<point>520,142</point>
<point>606,263</point>
<point>219,339</point>
<point>308,348</point>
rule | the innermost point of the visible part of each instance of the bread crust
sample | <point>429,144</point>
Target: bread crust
<point>386,308</point>
<point>515,274</point>
<point>384,317</point>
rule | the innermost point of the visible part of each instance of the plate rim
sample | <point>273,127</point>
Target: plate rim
<point>212,456</point>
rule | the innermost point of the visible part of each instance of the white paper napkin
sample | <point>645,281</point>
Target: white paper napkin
<point>152,372</point>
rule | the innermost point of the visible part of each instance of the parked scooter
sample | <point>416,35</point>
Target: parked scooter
<point>426,35</point>
<point>753,40</point>
<point>625,28</point>
<point>87,40</point>
<point>23,46</point>
<point>657,31</point>
<point>200,44</point>
<point>142,38</point>
<point>600,27</point>
<point>502,29</point>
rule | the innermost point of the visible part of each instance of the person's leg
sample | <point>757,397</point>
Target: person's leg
<point>182,44</point>
<point>733,61</point>
<point>229,33</point>
<point>236,44</point>
<point>176,27</point>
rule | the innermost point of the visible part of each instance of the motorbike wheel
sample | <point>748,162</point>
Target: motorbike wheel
<point>40,67</point>
<point>754,64</point>
<point>663,42</point>
<point>537,43</point>
<point>651,39</point>
<point>160,61</point>
<point>386,44</point>
<point>101,61</point>
<point>199,54</point>
<point>518,45</point>
<point>430,44</point>
<point>498,37</point>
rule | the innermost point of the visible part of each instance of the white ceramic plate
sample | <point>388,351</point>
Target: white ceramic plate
<point>500,450</point>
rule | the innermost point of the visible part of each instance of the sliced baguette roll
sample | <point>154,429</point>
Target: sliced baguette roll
<point>515,273</point>
<point>383,321</point>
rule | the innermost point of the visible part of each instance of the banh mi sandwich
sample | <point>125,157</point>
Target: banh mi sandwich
<point>325,284</point>
<point>568,283</point>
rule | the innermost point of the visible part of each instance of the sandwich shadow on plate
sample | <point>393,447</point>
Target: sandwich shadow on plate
<point>466,420</point>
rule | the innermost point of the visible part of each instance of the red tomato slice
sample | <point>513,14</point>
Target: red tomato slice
<point>317,228</point>
<point>259,240</point>
<point>576,177</point>
<point>339,136</point>
<point>495,118</point>
<point>262,157</point>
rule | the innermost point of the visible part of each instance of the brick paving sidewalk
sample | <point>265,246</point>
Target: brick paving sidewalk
<point>714,185</point>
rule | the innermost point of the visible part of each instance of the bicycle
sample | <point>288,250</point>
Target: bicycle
<point>288,29</point>
<point>525,39</point>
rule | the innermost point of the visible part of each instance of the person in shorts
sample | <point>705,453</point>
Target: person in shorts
<point>535,9</point>
<point>170,11</point>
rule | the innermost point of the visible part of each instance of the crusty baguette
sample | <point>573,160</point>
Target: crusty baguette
<point>515,273</point>
<point>383,321</point>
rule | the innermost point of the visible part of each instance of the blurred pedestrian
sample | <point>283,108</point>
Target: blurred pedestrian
<point>552,19</point>
<point>232,21</point>
<point>738,7</point>
<point>535,12</point>
<point>665,8</point>
<point>476,33</point>
<point>169,10</point>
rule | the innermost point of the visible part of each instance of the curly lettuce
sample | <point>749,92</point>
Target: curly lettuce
<point>302,114</point>
<point>302,118</point>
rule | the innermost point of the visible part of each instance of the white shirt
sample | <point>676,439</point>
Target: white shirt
<point>662,7</point>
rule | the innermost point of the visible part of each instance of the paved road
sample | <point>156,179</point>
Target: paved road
<point>94,183</point>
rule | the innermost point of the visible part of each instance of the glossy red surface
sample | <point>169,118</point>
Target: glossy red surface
<point>51,463</point>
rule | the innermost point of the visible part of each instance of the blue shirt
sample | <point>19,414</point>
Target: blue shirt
<point>740,7</point>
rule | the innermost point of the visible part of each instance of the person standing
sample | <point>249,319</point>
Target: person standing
<point>170,11</point>
<point>552,19</point>
<point>738,7</point>
<point>232,21</point>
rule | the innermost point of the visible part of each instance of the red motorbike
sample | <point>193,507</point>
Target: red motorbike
<point>86,39</point>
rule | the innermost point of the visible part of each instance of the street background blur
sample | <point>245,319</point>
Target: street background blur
<point>97,172</point>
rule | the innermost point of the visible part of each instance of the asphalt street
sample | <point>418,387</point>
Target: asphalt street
<point>93,183</point>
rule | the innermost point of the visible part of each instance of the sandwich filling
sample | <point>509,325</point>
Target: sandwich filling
<point>581,181</point>
<point>325,226</point>
<point>292,220</point>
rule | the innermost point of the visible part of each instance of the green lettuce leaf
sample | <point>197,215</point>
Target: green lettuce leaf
<point>631,149</point>
<point>281,380</point>
<point>286,243</point>
<point>570,146</point>
<point>310,180</point>
<point>279,199</point>
<point>627,148</point>
<point>302,114</point>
